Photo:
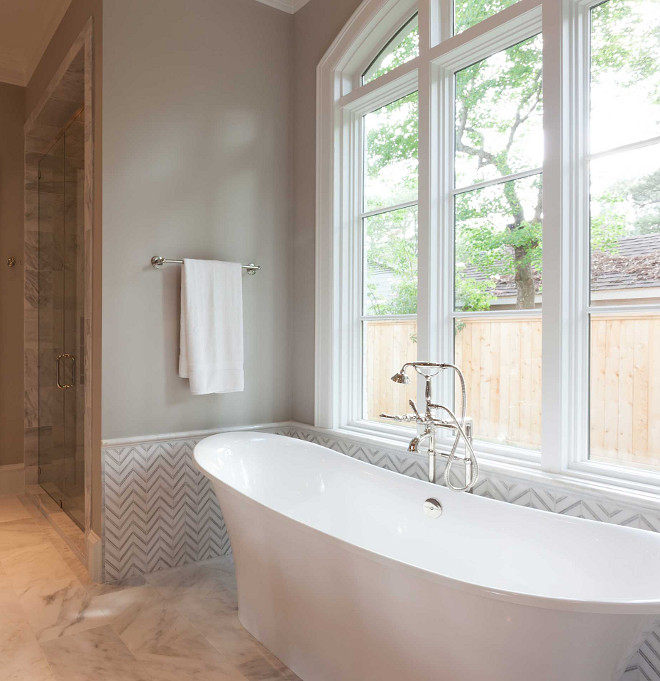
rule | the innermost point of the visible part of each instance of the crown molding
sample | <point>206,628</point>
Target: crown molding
<point>12,69</point>
<point>32,60</point>
<point>17,65</point>
<point>288,6</point>
<point>11,76</point>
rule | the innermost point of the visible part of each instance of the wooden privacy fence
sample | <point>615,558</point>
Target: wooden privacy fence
<point>501,360</point>
<point>389,345</point>
<point>625,389</point>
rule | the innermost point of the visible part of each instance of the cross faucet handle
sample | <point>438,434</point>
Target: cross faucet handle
<point>407,418</point>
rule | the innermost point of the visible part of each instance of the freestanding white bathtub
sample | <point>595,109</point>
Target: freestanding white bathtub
<point>344,578</point>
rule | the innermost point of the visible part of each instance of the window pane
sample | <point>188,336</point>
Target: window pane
<point>402,48</point>
<point>390,167</point>
<point>390,263</point>
<point>498,250</point>
<point>470,12</point>
<point>625,227</point>
<point>501,360</point>
<point>625,390</point>
<point>625,72</point>
<point>388,345</point>
<point>499,114</point>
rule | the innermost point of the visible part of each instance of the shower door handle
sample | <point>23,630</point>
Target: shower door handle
<point>60,385</point>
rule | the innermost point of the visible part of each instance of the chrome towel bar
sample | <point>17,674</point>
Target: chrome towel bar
<point>158,261</point>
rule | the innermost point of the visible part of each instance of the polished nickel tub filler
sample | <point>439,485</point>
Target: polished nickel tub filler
<point>346,573</point>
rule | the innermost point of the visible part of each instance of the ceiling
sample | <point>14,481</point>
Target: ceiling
<point>290,6</point>
<point>26,27</point>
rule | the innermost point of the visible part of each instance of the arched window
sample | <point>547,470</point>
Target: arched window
<point>488,191</point>
<point>403,47</point>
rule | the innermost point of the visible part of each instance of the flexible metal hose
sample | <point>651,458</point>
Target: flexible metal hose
<point>460,433</point>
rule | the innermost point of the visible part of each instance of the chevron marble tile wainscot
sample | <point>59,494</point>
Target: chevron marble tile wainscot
<point>161,512</point>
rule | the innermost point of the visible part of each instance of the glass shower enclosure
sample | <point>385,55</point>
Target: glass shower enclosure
<point>61,392</point>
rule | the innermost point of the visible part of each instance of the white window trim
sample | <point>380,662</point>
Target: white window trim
<point>338,75</point>
<point>575,148</point>
<point>340,100</point>
<point>352,417</point>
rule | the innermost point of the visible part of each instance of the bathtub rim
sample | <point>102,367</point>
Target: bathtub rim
<point>638,607</point>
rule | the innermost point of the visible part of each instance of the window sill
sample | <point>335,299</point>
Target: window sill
<point>593,484</point>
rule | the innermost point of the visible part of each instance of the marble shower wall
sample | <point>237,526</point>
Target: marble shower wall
<point>44,256</point>
<point>50,307</point>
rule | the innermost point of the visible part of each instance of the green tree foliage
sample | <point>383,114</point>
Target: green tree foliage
<point>612,50</point>
<point>392,249</point>
<point>391,237</point>
<point>489,130</point>
<point>394,140</point>
<point>499,230</point>
<point>469,13</point>
<point>404,47</point>
<point>646,196</point>
<point>626,207</point>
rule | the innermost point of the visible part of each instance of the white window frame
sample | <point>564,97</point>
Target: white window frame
<point>341,101</point>
<point>353,117</point>
<point>578,155</point>
<point>445,67</point>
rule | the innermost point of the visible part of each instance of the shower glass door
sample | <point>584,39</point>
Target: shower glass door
<point>61,321</point>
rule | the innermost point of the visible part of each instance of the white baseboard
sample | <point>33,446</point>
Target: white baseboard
<point>12,479</point>
<point>94,556</point>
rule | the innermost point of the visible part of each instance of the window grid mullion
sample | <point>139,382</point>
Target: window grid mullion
<point>497,180</point>
<point>579,417</point>
<point>357,353</point>
<point>444,331</point>
<point>632,309</point>
<point>389,209</point>
<point>632,146</point>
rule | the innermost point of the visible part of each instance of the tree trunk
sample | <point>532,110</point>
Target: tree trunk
<point>525,288</point>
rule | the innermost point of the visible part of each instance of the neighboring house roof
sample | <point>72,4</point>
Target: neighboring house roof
<point>635,265</point>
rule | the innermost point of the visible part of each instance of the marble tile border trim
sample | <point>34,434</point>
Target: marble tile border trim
<point>39,134</point>
<point>159,511</point>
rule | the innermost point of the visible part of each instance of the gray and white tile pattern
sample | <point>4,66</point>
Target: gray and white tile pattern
<point>159,510</point>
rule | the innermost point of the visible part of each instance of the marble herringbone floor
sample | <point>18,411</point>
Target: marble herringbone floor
<point>55,625</point>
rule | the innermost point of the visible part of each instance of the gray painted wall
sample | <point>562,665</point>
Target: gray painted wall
<point>197,162</point>
<point>12,110</point>
<point>315,25</point>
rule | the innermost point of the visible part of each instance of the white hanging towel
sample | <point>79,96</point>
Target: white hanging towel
<point>211,352</point>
